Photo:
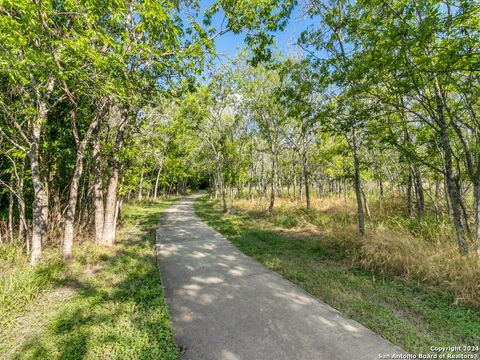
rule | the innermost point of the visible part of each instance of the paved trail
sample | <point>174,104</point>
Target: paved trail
<point>224,305</point>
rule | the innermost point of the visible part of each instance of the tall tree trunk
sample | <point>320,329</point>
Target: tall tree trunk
<point>409,193</point>
<point>118,208</point>
<point>294,174</point>
<point>452,189</point>
<point>140,186</point>
<point>98,190</point>
<point>109,227</point>
<point>300,185</point>
<point>215,186</point>
<point>250,183</point>
<point>272,183</point>
<point>358,184</point>
<point>476,199</point>
<point>156,182</point>
<point>446,196</point>
<point>221,183</point>
<point>22,222</point>
<point>419,196</point>
<point>10,210</point>
<point>306,179</point>
<point>77,174</point>
<point>72,205</point>
<point>40,198</point>
<point>263,185</point>
<point>40,201</point>
<point>365,203</point>
<point>279,180</point>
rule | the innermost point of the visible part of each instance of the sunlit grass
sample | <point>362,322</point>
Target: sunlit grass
<point>114,304</point>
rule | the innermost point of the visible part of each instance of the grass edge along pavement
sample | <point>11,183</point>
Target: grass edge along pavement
<point>405,313</point>
<point>115,308</point>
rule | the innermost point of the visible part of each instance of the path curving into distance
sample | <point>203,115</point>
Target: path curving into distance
<point>225,305</point>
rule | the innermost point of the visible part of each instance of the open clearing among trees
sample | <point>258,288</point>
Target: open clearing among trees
<point>339,142</point>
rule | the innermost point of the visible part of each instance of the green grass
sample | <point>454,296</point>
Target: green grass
<point>406,314</point>
<point>106,304</point>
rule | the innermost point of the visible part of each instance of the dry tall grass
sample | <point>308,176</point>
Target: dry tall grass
<point>395,245</point>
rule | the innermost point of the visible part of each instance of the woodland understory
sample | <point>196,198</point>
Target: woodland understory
<point>376,109</point>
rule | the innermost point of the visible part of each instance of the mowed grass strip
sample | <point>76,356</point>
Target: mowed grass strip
<point>405,313</point>
<point>114,305</point>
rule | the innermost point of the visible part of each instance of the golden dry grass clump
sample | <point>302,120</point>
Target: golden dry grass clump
<point>412,258</point>
<point>425,252</point>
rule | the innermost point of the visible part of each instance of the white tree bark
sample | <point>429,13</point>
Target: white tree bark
<point>110,223</point>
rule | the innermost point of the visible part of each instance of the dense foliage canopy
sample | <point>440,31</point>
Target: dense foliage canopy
<point>107,101</point>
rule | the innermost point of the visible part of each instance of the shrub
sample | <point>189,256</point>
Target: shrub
<point>286,221</point>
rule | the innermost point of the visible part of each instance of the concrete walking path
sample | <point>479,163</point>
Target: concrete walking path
<point>224,305</point>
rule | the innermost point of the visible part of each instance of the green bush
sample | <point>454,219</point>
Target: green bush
<point>286,221</point>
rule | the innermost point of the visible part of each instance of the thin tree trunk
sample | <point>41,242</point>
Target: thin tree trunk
<point>409,193</point>
<point>358,184</point>
<point>272,185</point>
<point>10,210</point>
<point>279,181</point>
<point>72,204</point>
<point>40,202</point>
<point>300,186</point>
<point>465,216</point>
<point>420,199</point>
<point>156,182</point>
<point>109,227</point>
<point>306,180</point>
<point>250,183</point>
<point>262,178</point>
<point>447,201</point>
<point>140,186</point>
<point>453,191</point>
<point>22,222</point>
<point>365,203</point>
<point>476,196</point>
<point>294,173</point>
<point>118,209</point>
<point>98,191</point>
<point>221,184</point>
<point>77,174</point>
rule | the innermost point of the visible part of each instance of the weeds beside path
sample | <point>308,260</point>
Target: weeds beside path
<point>106,304</point>
<point>407,314</point>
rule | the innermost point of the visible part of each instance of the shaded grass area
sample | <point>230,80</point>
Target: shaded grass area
<point>405,313</point>
<point>115,307</point>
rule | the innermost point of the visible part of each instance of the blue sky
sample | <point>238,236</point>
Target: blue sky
<point>229,43</point>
